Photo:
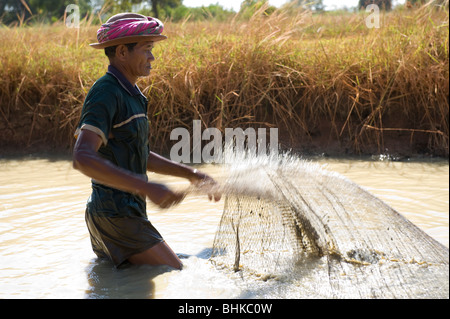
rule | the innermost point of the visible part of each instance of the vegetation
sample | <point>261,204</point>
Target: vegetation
<point>50,11</point>
<point>327,81</point>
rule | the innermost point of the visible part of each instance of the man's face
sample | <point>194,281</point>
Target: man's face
<point>140,58</point>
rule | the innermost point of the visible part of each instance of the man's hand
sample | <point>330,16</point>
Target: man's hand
<point>204,181</point>
<point>162,196</point>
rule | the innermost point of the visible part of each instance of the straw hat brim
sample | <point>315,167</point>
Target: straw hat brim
<point>129,39</point>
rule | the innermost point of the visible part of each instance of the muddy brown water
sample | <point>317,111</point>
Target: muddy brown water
<point>45,250</point>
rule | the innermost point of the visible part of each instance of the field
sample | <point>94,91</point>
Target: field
<point>328,82</point>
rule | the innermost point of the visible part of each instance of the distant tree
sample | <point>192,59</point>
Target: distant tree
<point>382,4</point>
<point>10,10</point>
<point>42,10</point>
<point>211,12</point>
<point>249,7</point>
<point>114,6</point>
<point>411,3</point>
<point>318,5</point>
<point>163,4</point>
<point>315,5</point>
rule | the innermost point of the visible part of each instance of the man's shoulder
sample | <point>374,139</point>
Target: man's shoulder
<point>106,82</point>
<point>103,91</point>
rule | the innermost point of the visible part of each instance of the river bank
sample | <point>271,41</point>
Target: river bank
<point>328,82</point>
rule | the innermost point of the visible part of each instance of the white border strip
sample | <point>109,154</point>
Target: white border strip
<point>94,129</point>
<point>129,120</point>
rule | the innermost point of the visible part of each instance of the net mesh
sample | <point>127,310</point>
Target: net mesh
<point>289,216</point>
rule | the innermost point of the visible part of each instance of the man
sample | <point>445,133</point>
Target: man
<point>112,148</point>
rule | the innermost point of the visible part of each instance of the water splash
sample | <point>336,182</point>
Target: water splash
<point>285,216</point>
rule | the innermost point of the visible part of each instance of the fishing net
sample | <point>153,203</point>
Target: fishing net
<point>292,218</point>
<point>258,229</point>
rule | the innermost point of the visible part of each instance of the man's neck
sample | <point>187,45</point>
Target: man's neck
<point>122,69</point>
<point>132,89</point>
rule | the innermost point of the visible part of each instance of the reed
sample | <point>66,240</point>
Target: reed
<point>328,82</point>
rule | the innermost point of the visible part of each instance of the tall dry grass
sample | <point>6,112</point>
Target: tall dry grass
<point>324,80</point>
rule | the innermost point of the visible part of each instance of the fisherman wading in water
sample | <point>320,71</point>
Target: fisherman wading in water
<point>112,148</point>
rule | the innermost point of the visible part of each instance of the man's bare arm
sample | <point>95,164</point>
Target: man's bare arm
<point>87,161</point>
<point>158,164</point>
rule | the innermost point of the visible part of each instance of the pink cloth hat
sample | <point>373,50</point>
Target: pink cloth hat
<point>125,28</point>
